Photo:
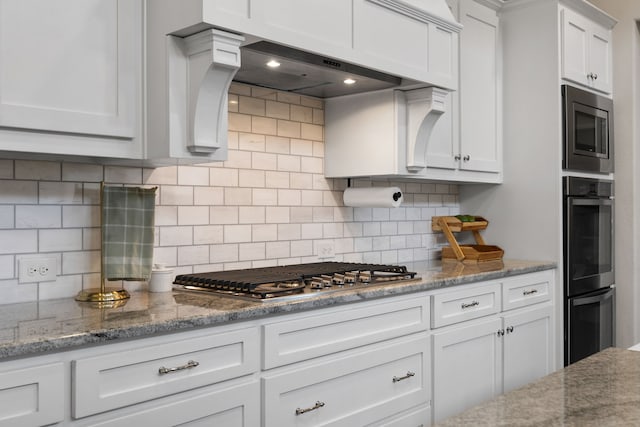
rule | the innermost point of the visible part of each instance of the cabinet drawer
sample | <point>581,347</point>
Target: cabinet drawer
<point>237,406</point>
<point>468,303</point>
<point>357,389</point>
<point>341,329</point>
<point>135,375</point>
<point>527,289</point>
<point>32,396</point>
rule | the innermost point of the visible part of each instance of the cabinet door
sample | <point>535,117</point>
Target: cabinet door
<point>528,345</point>
<point>479,105</point>
<point>600,58</point>
<point>575,47</point>
<point>467,366</point>
<point>71,67</point>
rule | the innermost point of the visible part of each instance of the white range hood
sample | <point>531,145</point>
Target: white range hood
<point>378,43</point>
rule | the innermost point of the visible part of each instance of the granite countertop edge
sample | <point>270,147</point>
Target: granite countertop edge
<point>207,312</point>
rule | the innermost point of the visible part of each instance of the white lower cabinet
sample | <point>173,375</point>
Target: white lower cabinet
<point>476,360</point>
<point>31,395</point>
<point>355,388</point>
<point>466,362</point>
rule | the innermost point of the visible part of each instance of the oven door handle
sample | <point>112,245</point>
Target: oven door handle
<point>600,296</point>
<point>591,201</point>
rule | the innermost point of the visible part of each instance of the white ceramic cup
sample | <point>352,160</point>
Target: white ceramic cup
<point>161,279</point>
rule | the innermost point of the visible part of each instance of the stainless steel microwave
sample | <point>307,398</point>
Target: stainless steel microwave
<point>588,131</point>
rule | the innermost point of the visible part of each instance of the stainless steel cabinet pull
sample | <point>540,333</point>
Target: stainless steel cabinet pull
<point>595,76</point>
<point>457,157</point>
<point>509,329</point>
<point>500,332</point>
<point>190,364</point>
<point>466,158</point>
<point>471,304</point>
<point>318,404</point>
<point>531,292</point>
<point>409,375</point>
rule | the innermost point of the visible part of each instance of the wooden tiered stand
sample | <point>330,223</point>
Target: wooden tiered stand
<point>468,253</point>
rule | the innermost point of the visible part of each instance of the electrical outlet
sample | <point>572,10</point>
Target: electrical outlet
<point>37,270</point>
<point>326,249</point>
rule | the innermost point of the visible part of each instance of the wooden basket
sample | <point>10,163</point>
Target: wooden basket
<point>469,253</point>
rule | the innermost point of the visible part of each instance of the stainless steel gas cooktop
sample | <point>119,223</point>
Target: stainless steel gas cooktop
<point>293,281</point>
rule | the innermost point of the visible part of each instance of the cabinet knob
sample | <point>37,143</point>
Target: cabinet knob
<point>500,332</point>
<point>466,158</point>
<point>595,76</point>
<point>510,329</point>
<point>457,157</point>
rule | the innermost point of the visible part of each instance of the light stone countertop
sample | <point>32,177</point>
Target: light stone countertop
<point>602,390</point>
<point>34,328</point>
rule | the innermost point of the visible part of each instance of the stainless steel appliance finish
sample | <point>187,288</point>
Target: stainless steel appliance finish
<point>589,274</point>
<point>307,73</point>
<point>588,131</point>
<point>294,281</point>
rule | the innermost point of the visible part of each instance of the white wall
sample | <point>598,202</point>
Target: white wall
<point>626,89</point>
<point>268,204</point>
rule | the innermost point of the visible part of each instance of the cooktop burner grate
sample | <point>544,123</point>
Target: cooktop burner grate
<point>271,282</point>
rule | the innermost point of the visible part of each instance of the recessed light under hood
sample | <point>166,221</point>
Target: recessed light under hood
<point>307,73</point>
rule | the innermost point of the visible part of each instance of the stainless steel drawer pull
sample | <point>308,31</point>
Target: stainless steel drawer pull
<point>509,329</point>
<point>318,404</point>
<point>471,304</point>
<point>190,364</point>
<point>531,292</point>
<point>409,375</point>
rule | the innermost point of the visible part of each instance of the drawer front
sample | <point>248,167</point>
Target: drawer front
<point>358,389</point>
<point>349,327</point>
<point>236,406</point>
<point>527,289</point>
<point>32,396</point>
<point>419,417</point>
<point>142,373</point>
<point>465,304</point>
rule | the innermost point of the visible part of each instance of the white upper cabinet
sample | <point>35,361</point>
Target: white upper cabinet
<point>70,77</point>
<point>427,133</point>
<point>586,51</point>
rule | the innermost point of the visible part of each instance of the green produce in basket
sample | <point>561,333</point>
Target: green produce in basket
<point>466,218</point>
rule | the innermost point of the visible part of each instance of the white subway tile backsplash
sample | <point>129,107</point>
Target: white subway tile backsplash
<point>7,219</point>
<point>301,180</point>
<point>92,238</point>
<point>197,254</point>
<point>267,204</point>
<point>278,110</point>
<point>251,251</point>
<point>6,266</point>
<point>193,175</point>
<point>18,192</point>
<point>208,234</point>
<point>251,178</point>
<point>251,142</point>
<point>193,215</point>
<point>18,241</point>
<point>6,169</point>
<point>80,216</point>
<point>264,197</point>
<point>223,253</point>
<point>264,125</point>
<point>237,233</point>
<point>176,236</point>
<point>60,240</point>
<point>277,214</point>
<point>311,231</point>
<point>38,216</point>
<point>28,169</point>
<point>80,262</point>
<point>264,232</point>
<point>252,214</point>
<point>264,161</point>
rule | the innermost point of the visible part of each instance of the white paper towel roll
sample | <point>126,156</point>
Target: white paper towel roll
<point>373,197</point>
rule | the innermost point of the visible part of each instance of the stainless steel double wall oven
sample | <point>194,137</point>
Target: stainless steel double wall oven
<point>589,274</point>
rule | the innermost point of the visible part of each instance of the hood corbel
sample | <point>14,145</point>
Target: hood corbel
<point>423,109</point>
<point>208,63</point>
